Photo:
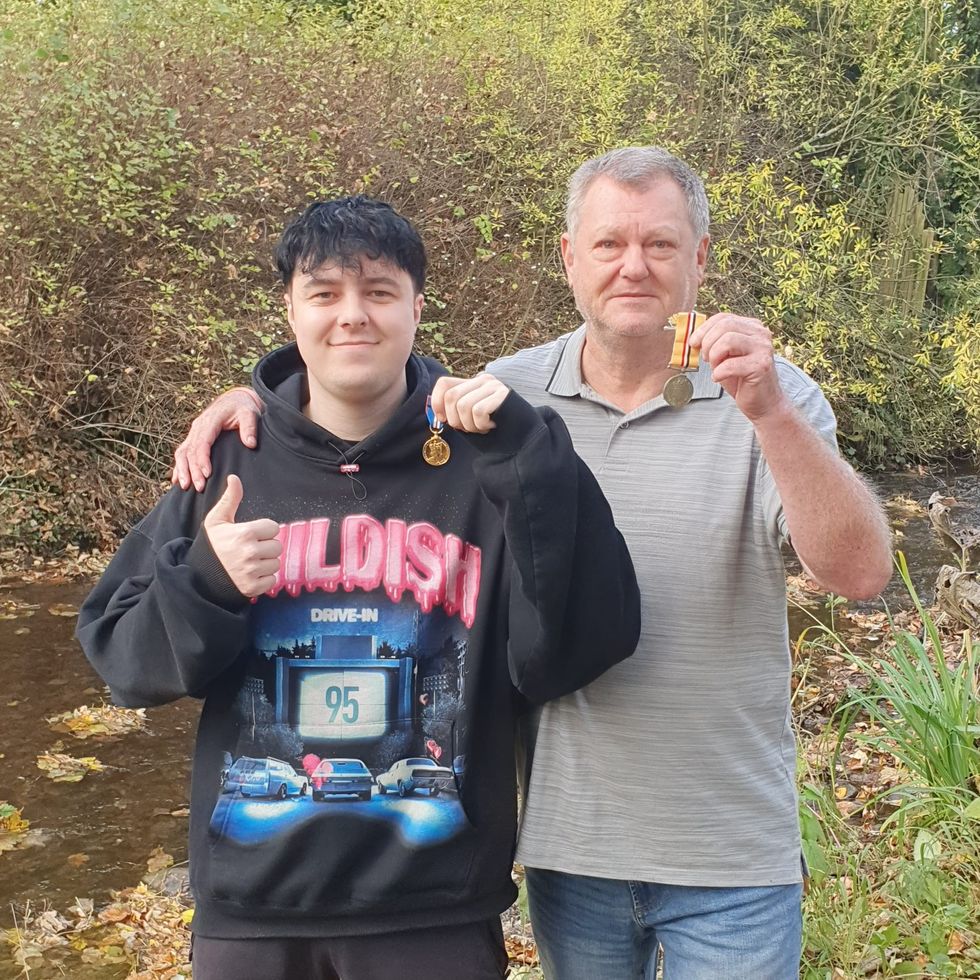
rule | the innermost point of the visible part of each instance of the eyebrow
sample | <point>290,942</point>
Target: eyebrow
<point>315,279</point>
<point>663,230</point>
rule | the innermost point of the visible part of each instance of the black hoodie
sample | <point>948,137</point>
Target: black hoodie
<point>354,768</point>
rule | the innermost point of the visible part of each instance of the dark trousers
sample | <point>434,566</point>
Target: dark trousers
<point>469,952</point>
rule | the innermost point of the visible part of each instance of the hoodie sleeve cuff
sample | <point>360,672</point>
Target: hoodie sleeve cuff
<point>213,580</point>
<point>516,421</point>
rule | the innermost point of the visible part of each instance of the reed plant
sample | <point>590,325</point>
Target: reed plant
<point>924,711</point>
<point>895,882</point>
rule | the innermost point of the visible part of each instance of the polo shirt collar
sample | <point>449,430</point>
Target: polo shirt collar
<point>566,380</point>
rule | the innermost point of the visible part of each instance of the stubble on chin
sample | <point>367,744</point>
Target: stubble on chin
<point>624,329</point>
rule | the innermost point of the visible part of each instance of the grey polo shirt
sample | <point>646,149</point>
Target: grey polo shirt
<point>677,765</point>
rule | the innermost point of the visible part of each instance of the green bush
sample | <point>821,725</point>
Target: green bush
<point>152,152</point>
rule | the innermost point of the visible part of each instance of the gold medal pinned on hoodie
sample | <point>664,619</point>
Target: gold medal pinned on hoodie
<point>684,358</point>
<point>435,450</point>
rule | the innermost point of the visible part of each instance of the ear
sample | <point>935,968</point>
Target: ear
<point>288,300</point>
<point>417,308</point>
<point>566,254</point>
<point>702,257</point>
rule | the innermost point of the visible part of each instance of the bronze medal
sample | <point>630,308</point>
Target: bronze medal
<point>678,391</point>
<point>435,450</point>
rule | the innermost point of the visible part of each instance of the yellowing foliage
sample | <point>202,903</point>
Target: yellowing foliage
<point>100,720</point>
<point>153,153</point>
<point>63,768</point>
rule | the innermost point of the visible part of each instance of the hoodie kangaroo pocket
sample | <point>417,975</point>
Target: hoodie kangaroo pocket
<point>341,853</point>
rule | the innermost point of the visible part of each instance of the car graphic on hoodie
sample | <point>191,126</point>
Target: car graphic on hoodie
<point>408,775</point>
<point>341,777</point>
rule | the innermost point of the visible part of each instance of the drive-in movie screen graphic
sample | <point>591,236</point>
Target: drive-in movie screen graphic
<point>344,702</point>
<point>351,704</point>
<point>346,693</point>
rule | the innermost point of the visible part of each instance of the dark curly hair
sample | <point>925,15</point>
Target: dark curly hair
<point>346,229</point>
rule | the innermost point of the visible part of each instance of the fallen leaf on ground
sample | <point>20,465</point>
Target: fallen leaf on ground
<point>803,590</point>
<point>77,860</point>
<point>109,954</point>
<point>38,933</point>
<point>64,768</point>
<point>104,719</point>
<point>821,749</point>
<point>15,609</point>
<point>521,951</point>
<point>159,859</point>
<point>891,774</point>
<point>15,831</point>
<point>114,913</point>
<point>902,508</point>
<point>83,910</point>
<point>62,609</point>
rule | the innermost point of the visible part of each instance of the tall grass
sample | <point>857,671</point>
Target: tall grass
<point>898,895</point>
<point>925,712</point>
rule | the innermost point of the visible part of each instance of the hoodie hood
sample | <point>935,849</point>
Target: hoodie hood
<point>280,380</point>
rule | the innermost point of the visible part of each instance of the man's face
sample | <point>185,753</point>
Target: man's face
<point>634,260</point>
<point>354,329</point>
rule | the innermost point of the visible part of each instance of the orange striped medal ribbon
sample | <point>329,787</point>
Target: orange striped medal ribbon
<point>684,358</point>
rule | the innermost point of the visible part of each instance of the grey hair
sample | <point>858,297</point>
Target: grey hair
<point>638,167</point>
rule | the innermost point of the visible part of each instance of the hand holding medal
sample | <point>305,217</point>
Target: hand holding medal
<point>435,449</point>
<point>740,352</point>
<point>465,404</point>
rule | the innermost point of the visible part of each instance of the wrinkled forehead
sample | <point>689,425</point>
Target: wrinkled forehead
<point>657,201</point>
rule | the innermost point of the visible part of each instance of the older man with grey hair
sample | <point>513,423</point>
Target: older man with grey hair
<point>660,810</point>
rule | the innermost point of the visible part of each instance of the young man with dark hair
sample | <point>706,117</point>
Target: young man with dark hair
<point>364,603</point>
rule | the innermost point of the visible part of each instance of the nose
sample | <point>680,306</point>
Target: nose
<point>634,265</point>
<point>351,312</point>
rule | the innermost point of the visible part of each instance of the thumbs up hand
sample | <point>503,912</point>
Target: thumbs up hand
<point>250,551</point>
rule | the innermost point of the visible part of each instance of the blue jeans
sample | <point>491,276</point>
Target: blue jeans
<point>608,929</point>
